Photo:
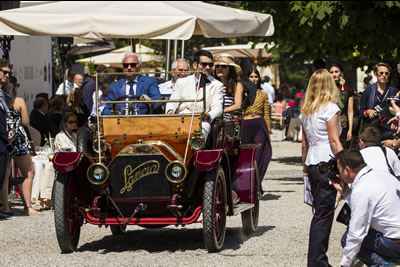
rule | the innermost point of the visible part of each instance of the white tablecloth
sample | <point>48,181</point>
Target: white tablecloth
<point>43,180</point>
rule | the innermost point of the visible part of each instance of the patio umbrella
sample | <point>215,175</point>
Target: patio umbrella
<point>134,19</point>
<point>114,58</point>
<point>258,53</point>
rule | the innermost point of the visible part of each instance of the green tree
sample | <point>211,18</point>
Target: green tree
<point>354,32</point>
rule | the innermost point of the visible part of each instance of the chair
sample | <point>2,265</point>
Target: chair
<point>276,117</point>
<point>35,135</point>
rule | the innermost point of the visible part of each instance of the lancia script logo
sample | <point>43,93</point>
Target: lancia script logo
<point>132,176</point>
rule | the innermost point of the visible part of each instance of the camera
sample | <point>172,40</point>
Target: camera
<point>330,168</point>
<point>379,116</point>
<point>396,100</point>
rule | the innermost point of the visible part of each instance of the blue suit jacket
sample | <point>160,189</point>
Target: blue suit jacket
<point>145,86</point>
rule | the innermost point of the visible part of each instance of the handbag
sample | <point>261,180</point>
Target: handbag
<point>344,215</point>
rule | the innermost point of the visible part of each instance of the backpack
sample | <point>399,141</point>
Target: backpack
<point>249,94</point>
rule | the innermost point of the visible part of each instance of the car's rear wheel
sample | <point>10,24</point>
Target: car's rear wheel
<point>66,216</point>
<point>214,210</point>
<point>118,229</point>
<point>250,217</point>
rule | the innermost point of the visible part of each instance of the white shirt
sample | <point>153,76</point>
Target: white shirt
<point>64,141</point>
<point>375,159</point>
<point>166,88</point>
<point>319,148</point>
<point>269,89</point>
<point>128,87</point>
<point>374,202</point>
<point>68,87</point>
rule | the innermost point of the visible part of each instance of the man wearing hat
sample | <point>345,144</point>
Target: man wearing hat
<point>190,87</point>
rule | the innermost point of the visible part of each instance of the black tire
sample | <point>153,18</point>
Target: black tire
<point>118,229</point>
<point>67,222</point>
<point>214,210</point>
<point>250,217</point>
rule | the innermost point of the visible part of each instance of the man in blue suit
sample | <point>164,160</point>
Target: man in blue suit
<point>146,88</point>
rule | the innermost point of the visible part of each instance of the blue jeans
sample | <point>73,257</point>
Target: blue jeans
<point>376,250</point>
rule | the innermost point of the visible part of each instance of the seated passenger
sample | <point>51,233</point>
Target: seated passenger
<point>142,86</point>
<point>227,71</point>
<point>189,88</point>
<point>180,64</point>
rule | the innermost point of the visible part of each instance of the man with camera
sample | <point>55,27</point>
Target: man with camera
<point>373,234</point>
<point>374,103</point>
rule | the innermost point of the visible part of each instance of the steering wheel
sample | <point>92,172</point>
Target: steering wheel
<point>131,108</point>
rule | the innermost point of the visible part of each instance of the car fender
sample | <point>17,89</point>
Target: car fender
<point>245,172</point>
<point>207,160</point>
<point>68,161</point>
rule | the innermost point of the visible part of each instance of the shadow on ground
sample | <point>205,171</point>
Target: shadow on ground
<point>167,239</point>
<point>289,160</point>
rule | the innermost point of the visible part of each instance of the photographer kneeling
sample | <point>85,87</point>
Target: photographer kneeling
<point>374,103</point>
<point>373,235</point>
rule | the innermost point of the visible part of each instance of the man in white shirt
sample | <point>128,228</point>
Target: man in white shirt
<point>69,84</point>
<point>269,89</point>
<point>191,88</point>
<point>179,64</point>
<point>377,157</point>
<point>373,234</point>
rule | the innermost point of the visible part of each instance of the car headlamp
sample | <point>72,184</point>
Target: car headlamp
<point>97,174</point>
<point>197,142</point>
<point>175,172</point>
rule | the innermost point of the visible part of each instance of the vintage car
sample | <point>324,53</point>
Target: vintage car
<point>155,170</point>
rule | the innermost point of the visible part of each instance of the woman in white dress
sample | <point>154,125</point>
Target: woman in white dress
<point>321,130</point>
<point>66,139</point>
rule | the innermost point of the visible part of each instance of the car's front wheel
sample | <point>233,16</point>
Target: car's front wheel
<point>214,210</point>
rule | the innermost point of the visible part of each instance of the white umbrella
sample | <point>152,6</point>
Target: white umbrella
<point>114,58</point>
<point>258,53</point>
<point>134,19</point>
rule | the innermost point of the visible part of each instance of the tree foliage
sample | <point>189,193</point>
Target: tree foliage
<point>354,32</point>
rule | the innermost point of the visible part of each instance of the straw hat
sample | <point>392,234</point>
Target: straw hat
<point>227,59</point>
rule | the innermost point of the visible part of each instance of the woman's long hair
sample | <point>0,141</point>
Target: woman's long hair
<point>320,91</point>
<point>232,81</point>
<point>65,119</point>
<point>251,70</point>
<point>71,95</point>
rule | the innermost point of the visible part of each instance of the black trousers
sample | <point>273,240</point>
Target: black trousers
<point>321,224</point>
<point>3,166</point>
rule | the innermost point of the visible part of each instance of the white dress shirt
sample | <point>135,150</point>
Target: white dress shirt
<point>65,141</point>
<point>319,148</point>
<point>68,87</point>
<point>374,202</point>
<point>374,157</point>
<point>269,89</point>
<point>166,88</point>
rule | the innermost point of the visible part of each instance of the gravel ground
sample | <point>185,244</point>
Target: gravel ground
<point>281,239</point>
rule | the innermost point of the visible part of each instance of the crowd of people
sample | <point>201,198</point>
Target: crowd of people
<point>325,109</point>
<point>367,177</point>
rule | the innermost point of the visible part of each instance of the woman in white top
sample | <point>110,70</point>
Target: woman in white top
<point>66,139</point>
<point>321,131</point>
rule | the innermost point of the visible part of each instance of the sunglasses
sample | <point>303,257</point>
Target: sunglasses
<point>126,65</point>
<point>222,66</point>
<point>72,122</point>
<point>383,72</point>
<point>182,70</point>
<point>205,64</point>
<point>5,72</point>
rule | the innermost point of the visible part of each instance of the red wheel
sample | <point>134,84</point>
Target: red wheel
<point>214,210</point>
<point>66,217</point>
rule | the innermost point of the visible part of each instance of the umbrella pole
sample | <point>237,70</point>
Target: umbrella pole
<point>183,49</point>
<point>168,59</point>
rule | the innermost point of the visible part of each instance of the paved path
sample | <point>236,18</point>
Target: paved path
<point>281,239</point>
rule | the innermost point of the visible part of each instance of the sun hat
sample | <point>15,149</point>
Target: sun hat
<point>227,59</point>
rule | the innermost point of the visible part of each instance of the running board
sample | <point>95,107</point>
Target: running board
<point>241,207</point>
